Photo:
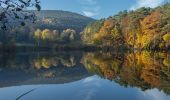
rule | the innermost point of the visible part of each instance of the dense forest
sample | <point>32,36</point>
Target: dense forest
<point>51,27</point>
<point>144,28</point>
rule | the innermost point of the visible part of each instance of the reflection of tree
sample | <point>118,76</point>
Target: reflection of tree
<point>68,61</point>
<point>43,65</point>
<point>140,69</point>
<point>152,71</point>
<point>45,62</point>
<point>41,68</point>
<point>104,66</point>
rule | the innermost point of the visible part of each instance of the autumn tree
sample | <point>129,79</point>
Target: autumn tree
<point>37,36</point>
<point>150,29</point>
<point>68,35</point>
<point>132,28</point>
<point>166,38</point>
<point>90,30</point>
<point>46,34</point>
<point>144,28</point>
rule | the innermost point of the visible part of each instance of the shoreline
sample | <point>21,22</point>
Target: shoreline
<point>32,48</point>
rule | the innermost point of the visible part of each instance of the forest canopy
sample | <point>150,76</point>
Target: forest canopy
<point>143,28</point>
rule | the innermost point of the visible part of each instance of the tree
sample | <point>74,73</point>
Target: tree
<point>150,29</point>
<point>38,35</point>
<point>90,30</point>
<point>144,28</point>
<point>132,27</point>
<point>68,35</point>
<point>166,38</point>
<point>46,34</point>
<point>14,12</point>
<point>56,35</point>
<point>104,36</point>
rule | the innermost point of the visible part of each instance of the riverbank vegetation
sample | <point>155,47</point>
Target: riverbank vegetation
<point>52,27</point>
<point>144,28</point>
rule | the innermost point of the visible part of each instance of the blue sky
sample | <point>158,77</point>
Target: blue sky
<point>98,8</point>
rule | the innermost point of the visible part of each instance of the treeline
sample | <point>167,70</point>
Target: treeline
<point>38,37</point>
<point>144,28</point>
<point>54,36</point>
<point>52,27</point>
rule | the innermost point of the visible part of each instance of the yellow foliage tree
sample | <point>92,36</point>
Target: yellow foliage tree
<point>150,28</point>
<point>46,34</point>
<point>37,34</point>
<point>166,38</point>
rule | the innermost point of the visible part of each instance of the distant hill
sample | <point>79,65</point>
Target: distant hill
<point>54,25</point>
<point>57,19</point>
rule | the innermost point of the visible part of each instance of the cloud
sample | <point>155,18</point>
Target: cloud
<point>88,79</point>
<point>147,3</point>
<point>154,94</point>
<point>90,8</point>
<point>91,85</point>
<point>94,80</point>
<point>90,94</point>
<point>89,13</point>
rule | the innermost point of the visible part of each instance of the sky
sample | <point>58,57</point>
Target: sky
<point>98,8</point>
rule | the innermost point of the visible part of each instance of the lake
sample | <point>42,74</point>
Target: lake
<point>76,75</point>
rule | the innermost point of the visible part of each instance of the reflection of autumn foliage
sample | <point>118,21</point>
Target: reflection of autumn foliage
<point>105,66</point>
<point>69,62</point>
<point>47,74</point>
<point>140,69</point>
<point>45,62</point>
<point>41,64</point>
<point>149,68</point>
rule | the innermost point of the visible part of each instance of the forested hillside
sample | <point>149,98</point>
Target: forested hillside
<point>57,19</point>
<point>143,28</point>
<point>51,27</point>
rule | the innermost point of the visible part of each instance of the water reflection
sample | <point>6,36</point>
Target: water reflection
<point>40,68</point>
<point>140,74</point>
<point>145,70</point>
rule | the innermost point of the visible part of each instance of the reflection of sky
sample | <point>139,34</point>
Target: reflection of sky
<point>153,94</point>
<point>91,88</point>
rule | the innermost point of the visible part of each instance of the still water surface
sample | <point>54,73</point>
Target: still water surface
<point>85,76</point>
